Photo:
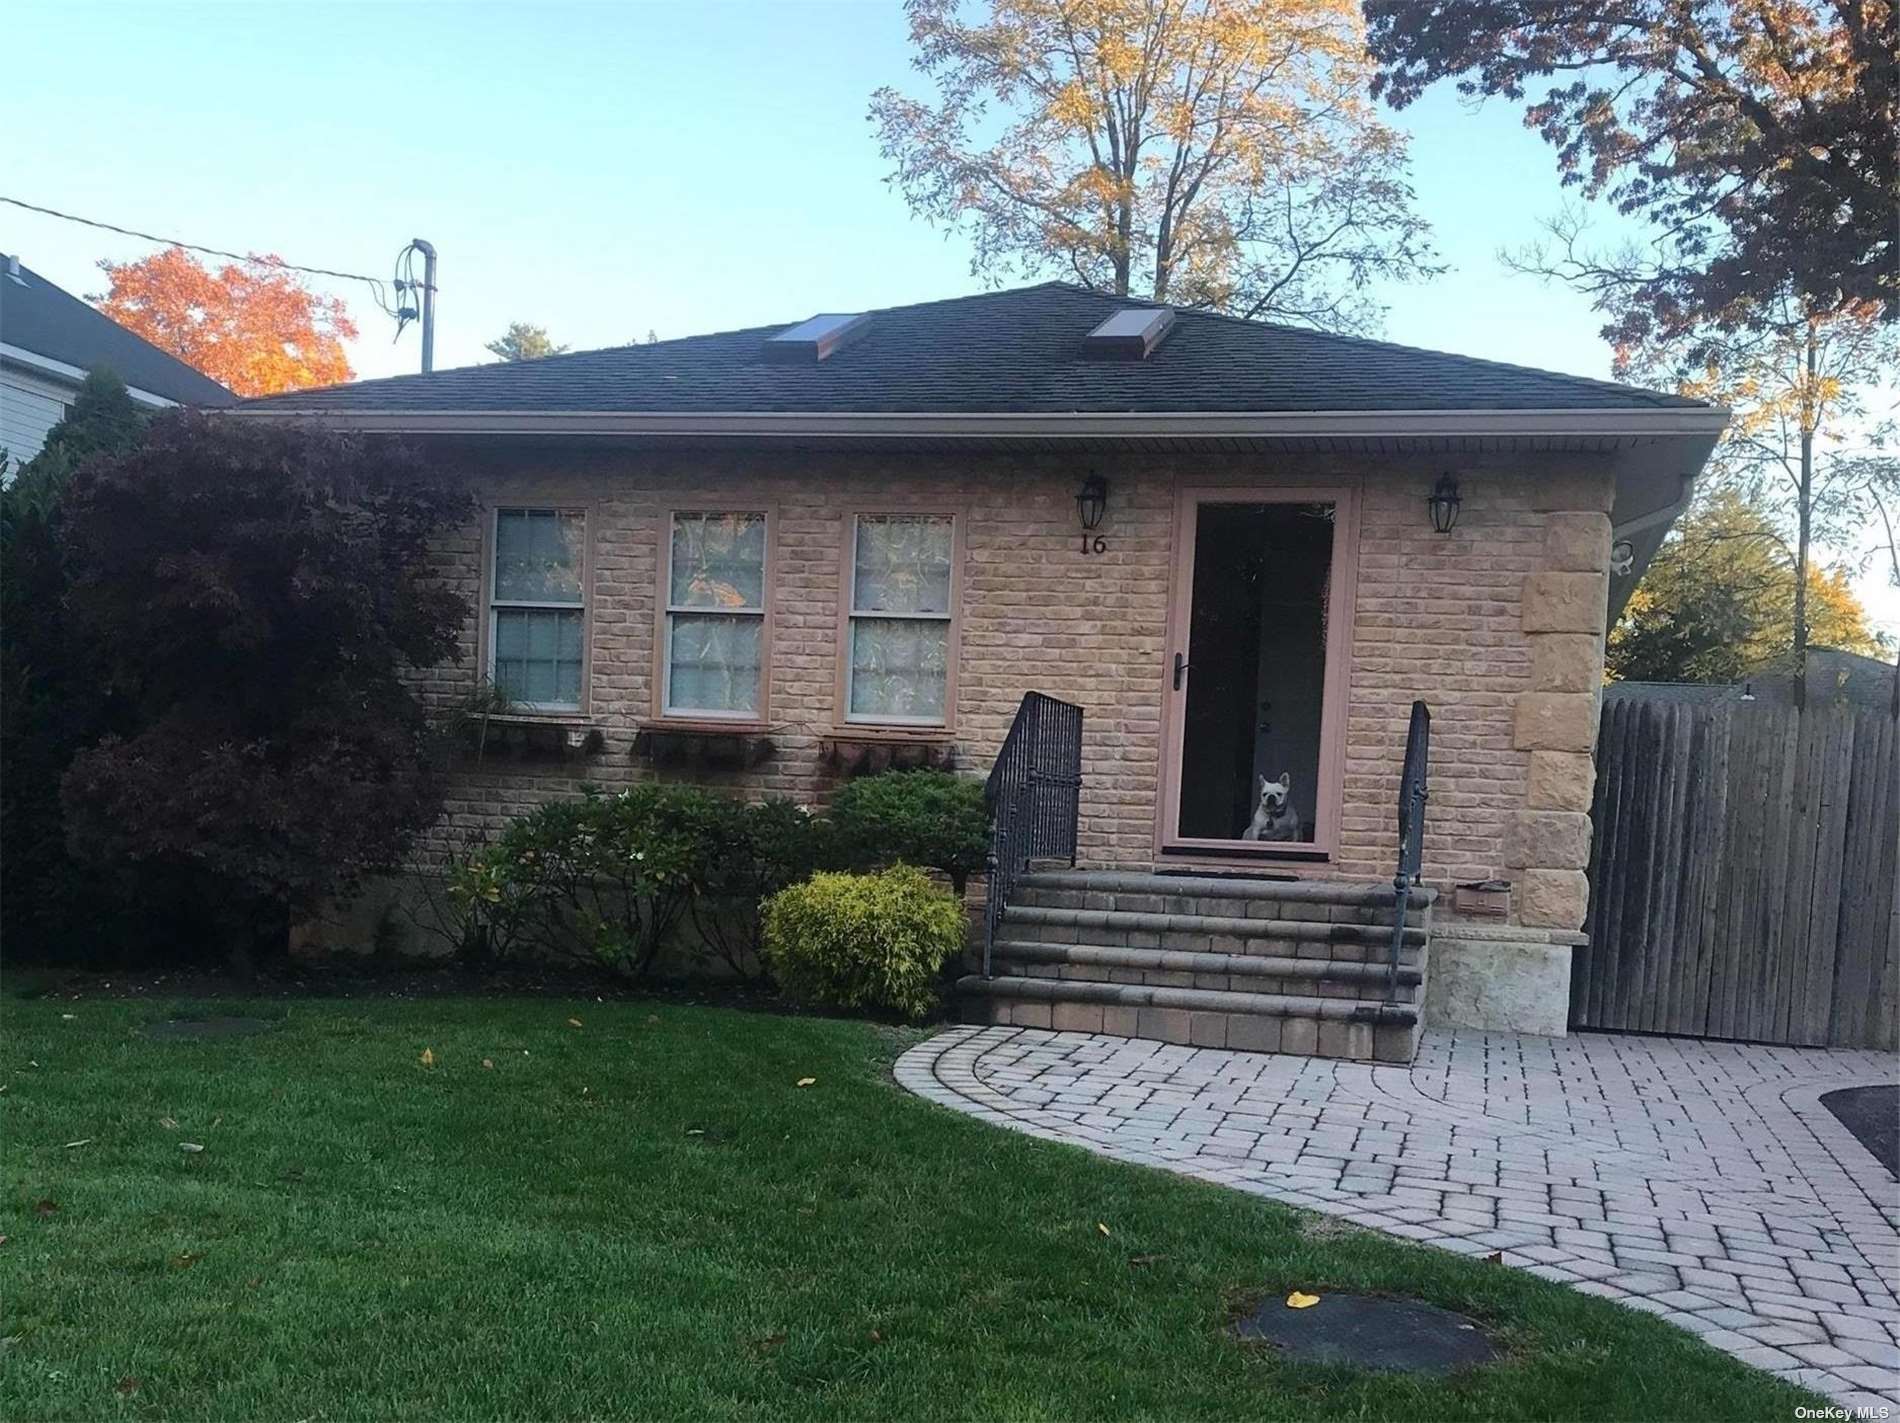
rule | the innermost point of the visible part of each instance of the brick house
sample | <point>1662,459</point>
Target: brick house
<point>772,558</point>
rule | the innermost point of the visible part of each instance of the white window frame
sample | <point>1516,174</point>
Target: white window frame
<point>497,604</point>
<point>853,615</point>
<point>668,609</point>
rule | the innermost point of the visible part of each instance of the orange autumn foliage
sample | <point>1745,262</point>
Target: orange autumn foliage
<point>253,327</point>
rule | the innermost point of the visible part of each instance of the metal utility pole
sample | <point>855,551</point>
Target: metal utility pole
<point>427,249</point>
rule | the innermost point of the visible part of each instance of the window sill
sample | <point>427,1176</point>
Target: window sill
<point>885,731</point>
<point>539,718</point>
<point>707,725</point>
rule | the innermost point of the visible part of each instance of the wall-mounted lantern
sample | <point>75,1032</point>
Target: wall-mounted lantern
<point>1092,502</point>
<point>1444,503</point>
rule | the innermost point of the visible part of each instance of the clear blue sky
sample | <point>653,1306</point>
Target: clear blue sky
<point>602,169</point>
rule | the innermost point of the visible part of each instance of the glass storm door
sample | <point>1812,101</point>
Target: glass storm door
<point>1255,672</point>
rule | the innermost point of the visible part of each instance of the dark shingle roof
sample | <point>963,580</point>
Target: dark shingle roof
<point>39,317</point>
<point>1013,351</point>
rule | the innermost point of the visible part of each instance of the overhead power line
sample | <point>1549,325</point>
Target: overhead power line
<point>195,246</point>
<point>404,281</point>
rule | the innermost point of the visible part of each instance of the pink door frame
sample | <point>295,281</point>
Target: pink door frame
<point>1337,673</point>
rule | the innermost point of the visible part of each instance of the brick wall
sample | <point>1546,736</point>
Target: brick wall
<point>1439,617</point>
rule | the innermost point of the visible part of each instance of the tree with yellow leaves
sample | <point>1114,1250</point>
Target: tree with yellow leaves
<point>1717,603</point>
<point>1797,376</point>
<point>1221,154</point>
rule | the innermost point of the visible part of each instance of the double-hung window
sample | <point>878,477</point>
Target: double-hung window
<point>902,599</point>
<point>537,608</point>
<point>714,639</point>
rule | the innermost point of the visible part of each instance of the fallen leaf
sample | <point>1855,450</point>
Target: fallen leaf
<point>253,1282</point>
<point>1101,1227</point>
<point>3,1240</point>
<point>804,1081</point>
<point>47,1205</point>
<point>489,1063</point>
<point>168,1124</point>
<point>1496,1257</point>
<point>1140,1260</point>
<point>185,1259</point>
<point>1296,1300</point>
<point>695,1131</point>
<point>765,1343</point>
<point>215,1121</point>
<point>83,1141</point>
<point>69,1016</point>
<point>573,1022</point>
<point>428,1057</point>
<point>191,1146</point>
<point>876,1338</point>
<point>126,1385</point>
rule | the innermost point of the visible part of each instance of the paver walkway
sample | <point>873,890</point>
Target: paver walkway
<point>1700,1181</point>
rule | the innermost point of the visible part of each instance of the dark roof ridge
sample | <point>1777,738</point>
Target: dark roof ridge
<point>760,330</point>
<point>1014,350</point>
<point>1313,332</point>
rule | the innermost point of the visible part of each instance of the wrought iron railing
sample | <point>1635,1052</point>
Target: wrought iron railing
<point>1035,798</point>
<point>1412,797</point>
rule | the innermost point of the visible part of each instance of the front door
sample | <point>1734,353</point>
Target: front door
<point>1258,646</point>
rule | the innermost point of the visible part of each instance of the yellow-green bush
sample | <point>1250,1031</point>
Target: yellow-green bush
<point>864,941</point>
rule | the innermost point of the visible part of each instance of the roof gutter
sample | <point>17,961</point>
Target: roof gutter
<point>1654,421</point>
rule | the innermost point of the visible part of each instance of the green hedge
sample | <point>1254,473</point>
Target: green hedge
<point>931,818</point>
<point>611,878</point>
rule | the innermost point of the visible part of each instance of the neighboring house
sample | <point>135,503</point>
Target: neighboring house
<point>50,339</point>
<point>1833,676</point>
<point>770,558</point>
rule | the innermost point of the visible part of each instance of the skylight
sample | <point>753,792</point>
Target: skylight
<point>1130,334</point>
<point>817,338</point>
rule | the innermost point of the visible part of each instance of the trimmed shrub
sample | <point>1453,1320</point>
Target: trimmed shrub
<point>609,878</point>
<point>490,909</point>
<point>932,818</point>
<point>759,848</point>
<point>605,877</point>
<point>864,941</point>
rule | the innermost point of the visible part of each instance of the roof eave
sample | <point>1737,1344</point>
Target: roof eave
<point>1091,425</point>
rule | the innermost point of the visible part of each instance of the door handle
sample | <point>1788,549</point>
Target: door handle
<point>1180,669</point>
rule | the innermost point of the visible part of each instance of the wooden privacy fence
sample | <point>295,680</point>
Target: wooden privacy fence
<point>1744,874</point>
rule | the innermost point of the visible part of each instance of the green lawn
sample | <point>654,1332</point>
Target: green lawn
<point>644,1216</point>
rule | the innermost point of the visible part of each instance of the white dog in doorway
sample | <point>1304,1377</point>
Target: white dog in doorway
<point>1274,817</point>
